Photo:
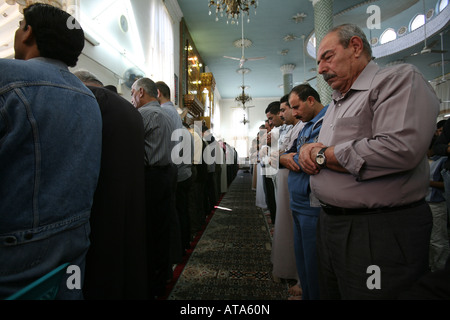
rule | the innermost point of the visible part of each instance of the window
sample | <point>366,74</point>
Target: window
<point>311,46</point>
<point>417,22</point>
<point>160,35</point>
<point>312,40</point>
<point>442,5</point>
<point>388,35</point>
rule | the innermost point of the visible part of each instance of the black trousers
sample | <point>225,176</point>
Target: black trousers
<point>197,196</point>
<point>159,195</point>
<point>372,256</point>
<point>270,197</point>
<point>182,204</point>
<point>210,192</point>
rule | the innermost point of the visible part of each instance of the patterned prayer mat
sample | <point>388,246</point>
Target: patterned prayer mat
<point>231,260</point>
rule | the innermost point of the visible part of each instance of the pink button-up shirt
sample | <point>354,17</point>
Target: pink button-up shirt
<point>381,129</point>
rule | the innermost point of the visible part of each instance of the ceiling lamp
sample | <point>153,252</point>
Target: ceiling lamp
<point>243,97</point>
<point>245,121</point>
<point>232,8</point>
<point>290,37</point>
<point>299,17</point>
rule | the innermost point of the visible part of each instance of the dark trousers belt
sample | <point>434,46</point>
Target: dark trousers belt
<point>329,209</point>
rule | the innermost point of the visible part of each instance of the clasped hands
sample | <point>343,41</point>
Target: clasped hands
<point>306,159</point>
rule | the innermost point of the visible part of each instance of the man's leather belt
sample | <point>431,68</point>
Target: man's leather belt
<point>349,211</point>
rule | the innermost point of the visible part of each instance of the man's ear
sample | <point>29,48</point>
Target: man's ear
<point>28,35</point>
<point>357,44</point>
<point>141,92</point>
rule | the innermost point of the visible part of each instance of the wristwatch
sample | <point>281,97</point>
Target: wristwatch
<point>321,160</point>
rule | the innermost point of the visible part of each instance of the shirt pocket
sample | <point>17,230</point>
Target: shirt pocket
<point>351,128</point>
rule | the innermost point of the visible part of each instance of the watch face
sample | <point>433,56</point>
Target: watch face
<point>320,160</point>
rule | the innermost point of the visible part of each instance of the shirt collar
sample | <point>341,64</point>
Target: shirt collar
<point>363,81</point>
<point>153,103</point>
<point>168,104</point>
<point>318,117</point>
<point>51,61</point>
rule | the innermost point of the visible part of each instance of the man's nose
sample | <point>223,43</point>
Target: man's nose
<point>321,68</point>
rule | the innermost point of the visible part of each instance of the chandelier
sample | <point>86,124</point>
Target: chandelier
<point>232,8</point>
<point>245,121</point>
<point>243,97</point>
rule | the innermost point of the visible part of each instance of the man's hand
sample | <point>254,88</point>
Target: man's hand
<point>307,157</point>
<point>287,160</point>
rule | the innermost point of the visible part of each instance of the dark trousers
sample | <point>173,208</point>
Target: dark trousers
<point>355,252</point>
<point>182,204</point>
<point>210,192</point>
<point>197,199</point>
<point>270,197</point>
<point>158,194</point>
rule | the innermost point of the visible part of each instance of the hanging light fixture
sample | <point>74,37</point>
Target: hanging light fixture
<point>232,8</point>
<point>245,121</point>
<point>243,98</point>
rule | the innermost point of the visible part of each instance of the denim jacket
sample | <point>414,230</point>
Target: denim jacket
<point>50,149</point>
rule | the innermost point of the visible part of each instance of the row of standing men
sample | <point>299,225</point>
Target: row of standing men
<point>87,177</point>
<point>178,197</point>
<point>357,180</point>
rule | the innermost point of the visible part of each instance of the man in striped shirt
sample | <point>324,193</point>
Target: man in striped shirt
<point>160,177</point>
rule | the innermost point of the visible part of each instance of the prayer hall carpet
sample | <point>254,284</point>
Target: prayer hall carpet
<point>231,260</point>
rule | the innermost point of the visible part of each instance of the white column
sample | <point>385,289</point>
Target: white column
<point>287,71</point>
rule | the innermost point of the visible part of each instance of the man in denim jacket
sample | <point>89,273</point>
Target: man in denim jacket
<point>50,148</point>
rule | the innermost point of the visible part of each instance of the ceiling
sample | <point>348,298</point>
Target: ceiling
<point>268,31</point>
<point>9,18</point>
<point>274,21</point>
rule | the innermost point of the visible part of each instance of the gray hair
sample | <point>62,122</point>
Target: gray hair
<point>346,31</point>
<point>148,85</point>
<point>87,77</point>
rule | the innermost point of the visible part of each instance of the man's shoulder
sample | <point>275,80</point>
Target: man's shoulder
<point>36,70</point>
<point>113,104</point>
<point>11,62</point>
<point>168,104</point>
<point>17,64</point>
<point>173,114</point>
<point>403,69</point>
<point>27,73</point>
<point>13,70</point>
<point>156,112</point>
<point>403,74</point>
